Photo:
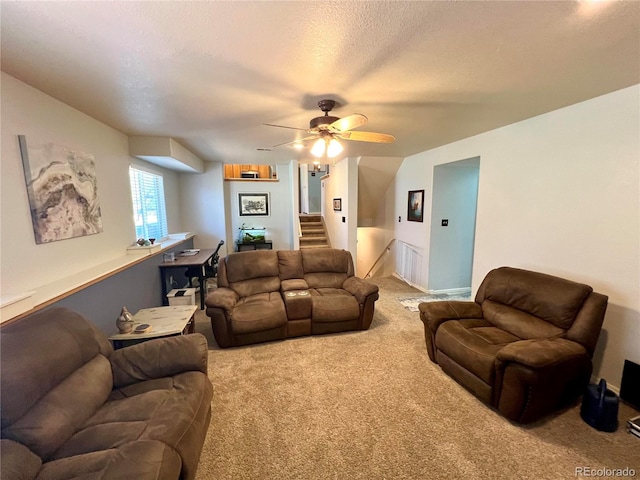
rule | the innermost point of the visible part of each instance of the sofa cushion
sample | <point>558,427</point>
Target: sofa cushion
<point>39,352</point>
<point>258,313</point>
<point>164,412</point>
<point>473,344</point>
<point>517,322</point>
<point>327,308</point>
<point>18,462</point>
<point>327,260</point>
<point>256,286</point>
<point>290,264</point>
<point>550,298</point>
<point>141,459</point>
<point>325,279</point>
<point>249,265</point>
<point>54,419</point>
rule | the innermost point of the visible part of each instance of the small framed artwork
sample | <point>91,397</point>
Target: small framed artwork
<point>337,204</point>
<point>253,204</point>
<point>415,210</point>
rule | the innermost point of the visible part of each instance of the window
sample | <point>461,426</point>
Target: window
<point>149,213</point>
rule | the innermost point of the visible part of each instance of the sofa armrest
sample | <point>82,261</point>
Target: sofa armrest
<point>158,358</point>
<point>222,297</point>
<point>18,462</point>
<point>541,353</point>
<point>433,314</point>
<point>359,288</point>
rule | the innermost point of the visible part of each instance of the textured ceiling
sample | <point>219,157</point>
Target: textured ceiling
<point>210,74</point>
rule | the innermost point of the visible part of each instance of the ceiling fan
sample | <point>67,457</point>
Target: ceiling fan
<point>327,129</point>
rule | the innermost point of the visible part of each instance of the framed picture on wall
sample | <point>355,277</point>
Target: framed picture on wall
<point>337,204</point>
<point>415,208</point>
<point>253,204</point>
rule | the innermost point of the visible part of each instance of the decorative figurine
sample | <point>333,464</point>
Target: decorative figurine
<point>124,322</point>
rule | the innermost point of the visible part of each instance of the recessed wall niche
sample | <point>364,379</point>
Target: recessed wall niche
<point>250,172</point>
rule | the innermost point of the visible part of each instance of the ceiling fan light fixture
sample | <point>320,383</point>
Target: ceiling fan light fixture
<point>319,147</point>
<point>334,148</point>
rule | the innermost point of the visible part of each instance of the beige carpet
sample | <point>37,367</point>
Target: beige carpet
<point>370,405</point>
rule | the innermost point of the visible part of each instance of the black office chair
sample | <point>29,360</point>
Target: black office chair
<point>210,270</point>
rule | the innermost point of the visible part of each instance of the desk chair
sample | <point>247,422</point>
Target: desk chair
<point>210,270</point>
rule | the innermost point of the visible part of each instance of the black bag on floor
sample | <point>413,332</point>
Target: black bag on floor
<point>600,407</point>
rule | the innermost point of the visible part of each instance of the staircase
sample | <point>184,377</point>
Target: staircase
<point>314,234</point>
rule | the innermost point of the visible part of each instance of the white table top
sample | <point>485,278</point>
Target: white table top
<point>163,320</point>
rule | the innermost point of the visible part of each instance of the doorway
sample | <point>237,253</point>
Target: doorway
<point>453,224</point>
<point>311,188</point>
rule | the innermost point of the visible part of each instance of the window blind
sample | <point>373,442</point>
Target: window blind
<point>149,213</point>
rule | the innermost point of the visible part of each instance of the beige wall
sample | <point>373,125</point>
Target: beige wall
<point>41,118</point>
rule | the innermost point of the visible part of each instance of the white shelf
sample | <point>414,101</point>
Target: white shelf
<point>44,295</point>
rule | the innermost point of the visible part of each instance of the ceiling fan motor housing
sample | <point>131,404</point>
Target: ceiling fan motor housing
<point>325,120</point>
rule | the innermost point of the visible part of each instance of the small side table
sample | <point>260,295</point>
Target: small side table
<point>164,321</point>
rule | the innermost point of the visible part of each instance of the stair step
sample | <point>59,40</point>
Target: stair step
<point>304,225</point>
<point>318,239</point>
<point>313,231</point>
<point>309,247</point>
<point>310,218</point>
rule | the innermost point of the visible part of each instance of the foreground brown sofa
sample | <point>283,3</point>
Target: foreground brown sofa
<point>266,295</point>
<point>524,346</point>
<point>74,408</point>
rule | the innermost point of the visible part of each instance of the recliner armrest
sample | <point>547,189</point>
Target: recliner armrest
<point>540,353</point>
<point>158,358</point>
<point>359,288</point>
<point>222,297</point>
<point>433,314</point>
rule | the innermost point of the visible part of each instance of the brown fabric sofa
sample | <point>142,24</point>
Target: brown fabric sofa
<point>524,346</point>
<point>72,407</point>
<point>266,295</point>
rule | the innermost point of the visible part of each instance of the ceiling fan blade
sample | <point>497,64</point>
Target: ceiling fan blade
<point>367,137</point>
<point>349,123</point>
<point>283,126</point>
<point>295,141</point>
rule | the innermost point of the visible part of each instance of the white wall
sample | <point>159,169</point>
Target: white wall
<point>202,207</point>
<point>373,240</point>
<point>279,222</point>
<point>41,118</point>
<point>558,193</point>
<point>342,183</point>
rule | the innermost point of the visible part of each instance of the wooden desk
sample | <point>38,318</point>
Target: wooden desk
<point>164,321</point>
<point>183,262</point>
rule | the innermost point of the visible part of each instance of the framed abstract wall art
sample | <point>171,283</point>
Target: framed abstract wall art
<point>62,190</point>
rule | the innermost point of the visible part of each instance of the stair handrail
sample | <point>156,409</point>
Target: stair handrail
<point>299,228</point>
<point>326,231</point>
<point>384,252</point>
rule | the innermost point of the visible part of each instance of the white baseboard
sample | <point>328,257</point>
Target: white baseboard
<point>451,291</point>
<point>422,289</point>
<point>614,388</point>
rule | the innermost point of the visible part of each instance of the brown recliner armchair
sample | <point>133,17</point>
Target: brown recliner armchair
<point>524,346</point>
